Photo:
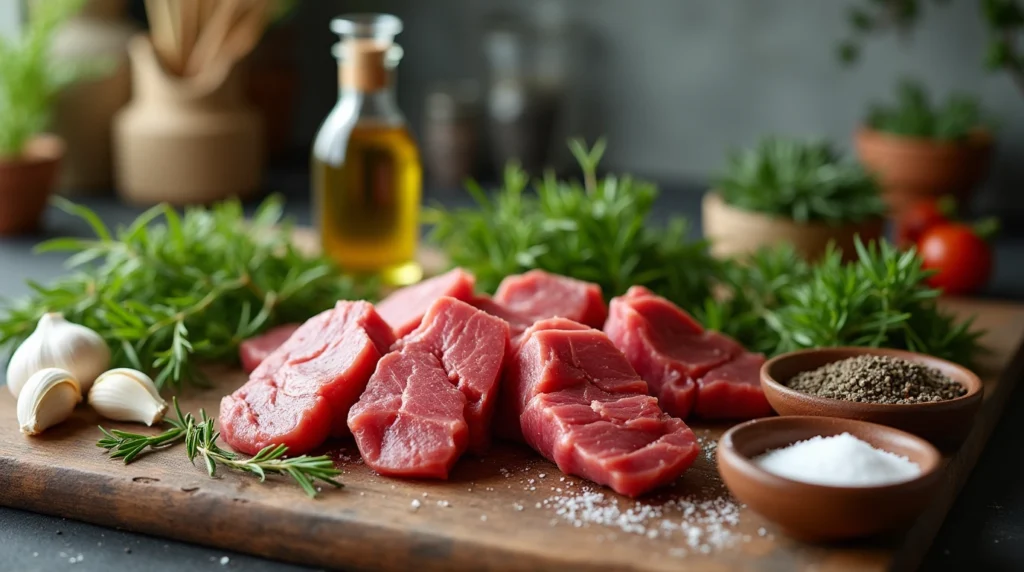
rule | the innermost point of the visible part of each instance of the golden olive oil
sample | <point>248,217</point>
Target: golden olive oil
<point>369,205</point>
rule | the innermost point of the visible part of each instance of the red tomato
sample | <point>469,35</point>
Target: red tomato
<point>916,219</point>
<point>962,259</point>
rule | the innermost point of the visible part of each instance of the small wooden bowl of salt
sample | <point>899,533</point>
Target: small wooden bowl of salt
<point>822,478</point>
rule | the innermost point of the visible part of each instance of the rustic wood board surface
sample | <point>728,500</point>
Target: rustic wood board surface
<point>486,517</point>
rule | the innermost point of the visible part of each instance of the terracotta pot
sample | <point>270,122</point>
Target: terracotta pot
<point>26,182</point>
<point>736,232</point>
<point>911,169</point>
<point>186,140</point>
<point>84,111</point>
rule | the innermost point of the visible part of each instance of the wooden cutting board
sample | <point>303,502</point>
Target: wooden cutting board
<point>499,512</point>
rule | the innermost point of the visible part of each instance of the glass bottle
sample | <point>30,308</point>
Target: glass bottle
<point>366,173</point>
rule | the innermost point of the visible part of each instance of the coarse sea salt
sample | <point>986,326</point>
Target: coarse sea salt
<point>840,460</point>
<point>705,525</point>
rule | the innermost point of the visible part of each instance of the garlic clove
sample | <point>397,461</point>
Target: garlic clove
<point>46,399</point>
<point>61,344</point>
<point>125,394</point>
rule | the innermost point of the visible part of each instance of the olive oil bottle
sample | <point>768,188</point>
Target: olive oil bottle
<point>366,171</point>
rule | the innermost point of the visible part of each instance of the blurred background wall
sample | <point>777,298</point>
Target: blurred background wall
<point>675,83</point>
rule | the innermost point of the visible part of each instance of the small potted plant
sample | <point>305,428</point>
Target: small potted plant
<point>919,150</point>
<point>29,82</point>
<point>791,190</point>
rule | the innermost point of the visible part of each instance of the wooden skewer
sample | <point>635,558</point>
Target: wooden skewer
<point>215,30</point>
<point>189,10</point>
<point>244,36</point>
<point>161,33</point>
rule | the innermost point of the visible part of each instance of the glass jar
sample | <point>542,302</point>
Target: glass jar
<point>366,173</point>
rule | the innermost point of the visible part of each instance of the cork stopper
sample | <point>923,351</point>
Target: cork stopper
<point>363,64</point>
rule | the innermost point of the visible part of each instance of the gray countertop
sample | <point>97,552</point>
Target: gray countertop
<point>984,530</point>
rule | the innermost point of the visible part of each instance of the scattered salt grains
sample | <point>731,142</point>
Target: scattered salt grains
<point>415,504</point>
<point>542,475</point>
<point>483,518</point>
<point>706,525</point>
<point>443,504</point>
<point>224,560</point>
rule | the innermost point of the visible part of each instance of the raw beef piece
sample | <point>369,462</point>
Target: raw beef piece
<point>681,361</point>
<point>581,405</point>
<point>434,396</point>
<point>539,295</point>
<point>255,350</point>
<point>506,418</point>
<point>517,323</point>
<point>733,390</point>
<point>404,308</point>
<point>301,393</point>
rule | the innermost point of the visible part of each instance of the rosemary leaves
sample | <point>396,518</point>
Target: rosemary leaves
<point>200,437</point>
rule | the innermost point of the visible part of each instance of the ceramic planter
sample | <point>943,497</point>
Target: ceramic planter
<point>911,169</point>
<point>186,140</point>
<point>737,232</point>
<point>26,182</point>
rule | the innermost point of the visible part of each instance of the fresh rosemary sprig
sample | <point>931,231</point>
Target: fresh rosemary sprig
<point>775,303</point>
<point>170,291</point>
<point>802,180</point>
<point>200,439</point>
<point>597,229</point>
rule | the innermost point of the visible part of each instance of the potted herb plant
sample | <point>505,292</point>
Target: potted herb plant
<point>791,191</point>
<point>920,150</point>
<point>29,82</point>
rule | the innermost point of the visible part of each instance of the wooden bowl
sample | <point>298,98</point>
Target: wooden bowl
<point>944,423</point>
<point>818,513</point>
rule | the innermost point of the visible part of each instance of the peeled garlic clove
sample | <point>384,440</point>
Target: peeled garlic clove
<point>61,344</point>
<point>127,395</point>
<point>47,398</point>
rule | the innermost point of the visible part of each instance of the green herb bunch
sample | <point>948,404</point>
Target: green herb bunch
<point>29,79</point>
<point>803,180</point>
<point>169,291</point>
<point>750,291</point>
<point>914,115</point>
<point>200,439</point>
<point>598,230</point>
<point>879,300</point>
<point>776,303</point>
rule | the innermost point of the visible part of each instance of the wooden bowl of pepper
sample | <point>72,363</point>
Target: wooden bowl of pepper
<point>942,415</point>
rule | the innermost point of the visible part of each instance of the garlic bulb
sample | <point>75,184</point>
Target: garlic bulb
<point>127,395</point>
<point>46,399</point>
<point>62,344</point>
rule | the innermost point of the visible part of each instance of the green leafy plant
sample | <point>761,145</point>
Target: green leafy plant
<point>877,16</point>
<point>879,300</point>
<point>599,230</point>
<point>1005,21</point>
<point>803,180</point>
<point>169,292</point>
<point>200,439</point>
<point>914,115</point>
<point>29,79</point>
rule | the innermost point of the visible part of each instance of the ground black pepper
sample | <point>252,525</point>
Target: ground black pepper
<point>877,379</point>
